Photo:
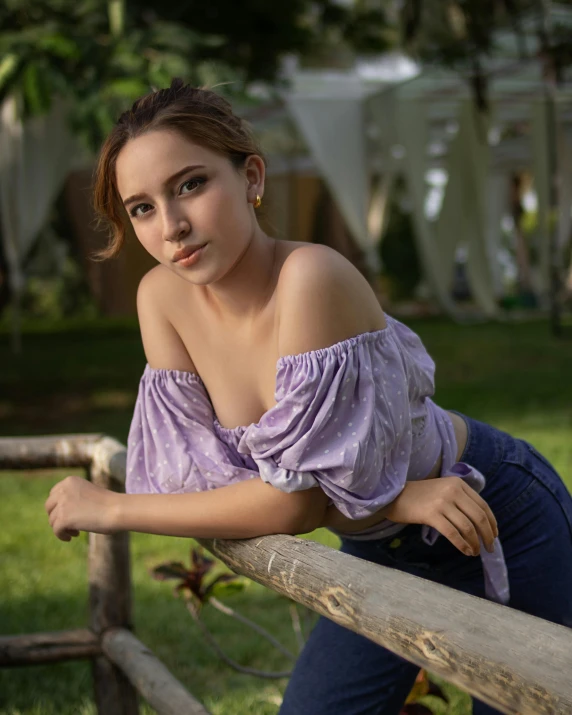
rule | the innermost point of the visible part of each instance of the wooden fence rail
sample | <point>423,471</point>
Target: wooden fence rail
<point>515,662</point>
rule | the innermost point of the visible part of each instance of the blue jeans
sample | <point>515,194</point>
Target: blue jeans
<point>342,673</point>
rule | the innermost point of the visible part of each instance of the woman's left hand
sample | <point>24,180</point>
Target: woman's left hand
<point>75,505</point>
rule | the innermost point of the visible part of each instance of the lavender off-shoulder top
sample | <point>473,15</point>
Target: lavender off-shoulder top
<point>355,419</point>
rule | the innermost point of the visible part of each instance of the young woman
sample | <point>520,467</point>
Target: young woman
<point>278,398</point>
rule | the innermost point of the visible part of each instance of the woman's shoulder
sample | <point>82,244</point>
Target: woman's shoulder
<point>323,299</point>
<point>156,281</point>
<point>163,346</point>
<point>314,268</point>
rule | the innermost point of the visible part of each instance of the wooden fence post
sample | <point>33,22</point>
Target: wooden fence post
<point>110,606</point>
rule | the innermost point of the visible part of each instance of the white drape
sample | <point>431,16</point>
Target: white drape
<point>35,158</point>
<point>347,135</point>
<point>474,174</point>
<point>333,129</point>
<point>466,217</point>
<point>541,172</point>
<point>542,179</point>
<point>411,123</point>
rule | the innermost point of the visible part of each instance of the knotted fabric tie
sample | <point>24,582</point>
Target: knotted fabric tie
<point>494,565</point>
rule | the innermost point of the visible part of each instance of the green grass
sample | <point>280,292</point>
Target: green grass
<point>85,380</point>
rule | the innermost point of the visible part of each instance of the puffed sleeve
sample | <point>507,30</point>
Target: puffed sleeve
<point>171,447</point>
<point>341,421</point>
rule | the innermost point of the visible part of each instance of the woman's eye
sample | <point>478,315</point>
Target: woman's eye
<point>192,184</point>
<point>134,211</point>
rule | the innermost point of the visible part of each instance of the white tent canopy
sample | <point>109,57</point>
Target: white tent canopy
<point>379,120</point>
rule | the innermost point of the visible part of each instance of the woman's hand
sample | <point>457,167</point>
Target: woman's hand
<point>449,505</point>
<point>75,505</point>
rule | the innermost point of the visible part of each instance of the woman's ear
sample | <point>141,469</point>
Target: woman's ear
<point>255,173</point>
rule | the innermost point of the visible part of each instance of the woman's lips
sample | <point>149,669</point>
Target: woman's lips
<point>192,258</point>
<point>186,252</point>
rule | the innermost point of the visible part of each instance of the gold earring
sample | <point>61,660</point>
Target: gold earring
<point>257,202</point>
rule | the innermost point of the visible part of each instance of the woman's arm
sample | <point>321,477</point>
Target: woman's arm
<point>237,511</point>
<point>447,504</point>
<point>334,519</point>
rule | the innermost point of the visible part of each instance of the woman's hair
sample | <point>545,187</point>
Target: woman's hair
<point>201,115</point>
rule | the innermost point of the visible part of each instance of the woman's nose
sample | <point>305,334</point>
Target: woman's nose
<point>175,225</point>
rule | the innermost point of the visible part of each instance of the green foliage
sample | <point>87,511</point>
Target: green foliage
<point>254,34</point>
<point>199,583</point>
<point>398,252</point>
<point>59,296</point>
<point>68,49</point>
<point>417,703</point>
<point>103,55</point>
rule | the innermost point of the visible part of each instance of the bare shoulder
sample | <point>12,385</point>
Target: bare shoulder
<point>163,346</point>
<point>323,299</point>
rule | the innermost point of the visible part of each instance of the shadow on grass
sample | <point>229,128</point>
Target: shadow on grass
<point>164,625</point>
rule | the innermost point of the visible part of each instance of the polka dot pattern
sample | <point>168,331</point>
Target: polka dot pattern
<point>338,424</point>
<point>355,419</point>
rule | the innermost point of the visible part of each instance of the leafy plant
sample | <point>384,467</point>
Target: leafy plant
<point>423,686</point>
<point>199,587</point>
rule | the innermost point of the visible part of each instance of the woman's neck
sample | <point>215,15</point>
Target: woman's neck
<point>247,288</point>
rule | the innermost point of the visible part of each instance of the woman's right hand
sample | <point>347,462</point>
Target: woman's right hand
<point>450,506</point>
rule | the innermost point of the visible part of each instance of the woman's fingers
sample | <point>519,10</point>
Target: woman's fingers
<point>51,502</point>
<point>480,520</point>
<point>450,531</point>
<point>472,523</point>
<point>482,504</point>
<point>465,527</point>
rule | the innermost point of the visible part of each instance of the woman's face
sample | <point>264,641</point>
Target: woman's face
<point>179,194</point>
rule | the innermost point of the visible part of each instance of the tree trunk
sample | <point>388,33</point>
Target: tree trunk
<point>5,293</point>
<point>550,78</point>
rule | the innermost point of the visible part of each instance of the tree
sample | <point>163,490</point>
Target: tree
<point>256,34</point>
<point>104,55</point>
<point>94,54</point>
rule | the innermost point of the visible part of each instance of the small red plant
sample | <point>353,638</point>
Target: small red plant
<point>423,686</point>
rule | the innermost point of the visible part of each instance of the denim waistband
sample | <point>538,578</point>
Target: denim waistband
<point>485,447</point>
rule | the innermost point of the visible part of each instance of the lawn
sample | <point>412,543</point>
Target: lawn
<point>84,379</point>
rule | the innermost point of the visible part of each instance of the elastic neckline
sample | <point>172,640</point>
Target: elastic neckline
<point>169,372</point>
<point>233,430</point>
<point>335,349</point>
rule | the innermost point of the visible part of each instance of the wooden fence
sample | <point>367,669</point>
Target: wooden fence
<point>515,662</point>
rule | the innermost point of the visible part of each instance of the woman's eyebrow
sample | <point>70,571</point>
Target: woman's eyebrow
<point>184,170</point>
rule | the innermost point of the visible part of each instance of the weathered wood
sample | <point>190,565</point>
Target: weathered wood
<point>66,450</point>
<point>48,647</point>
<point>149,675</point>
<point>515,662</point>
<point>109,456</point>
<point>110,605</point>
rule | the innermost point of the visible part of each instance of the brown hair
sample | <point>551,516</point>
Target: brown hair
<point>199,114</point>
